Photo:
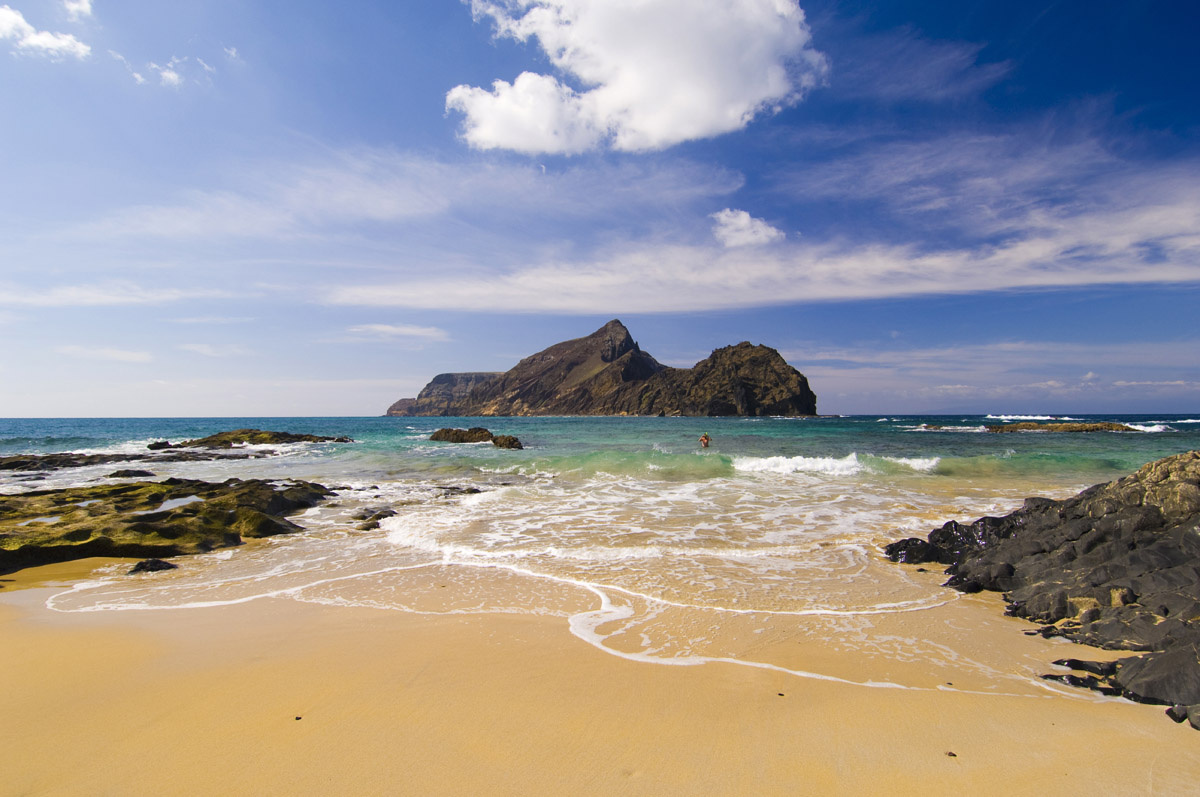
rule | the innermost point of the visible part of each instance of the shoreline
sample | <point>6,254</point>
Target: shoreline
<point>205,701</point>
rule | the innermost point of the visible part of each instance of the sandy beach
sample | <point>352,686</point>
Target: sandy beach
<point>280,697</point>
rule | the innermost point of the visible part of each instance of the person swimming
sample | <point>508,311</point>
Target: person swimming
<point>705,440</point>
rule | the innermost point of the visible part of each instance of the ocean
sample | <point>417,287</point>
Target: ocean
<point>764,550</point>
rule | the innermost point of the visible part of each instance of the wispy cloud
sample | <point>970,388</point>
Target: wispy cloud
<point>103,353</point>
<point>97,295</point>
<point>215,350</point>
<point>27,39</point>
<point>901,65</point>
<point>391,332</point>
<point>211,319</point>
<point>365,189</point>
<point>655,73</point>
<point>1020,374</point>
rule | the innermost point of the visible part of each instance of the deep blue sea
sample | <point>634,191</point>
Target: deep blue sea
<point>763,550</point>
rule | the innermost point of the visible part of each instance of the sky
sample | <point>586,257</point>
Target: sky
<point>260,208</point>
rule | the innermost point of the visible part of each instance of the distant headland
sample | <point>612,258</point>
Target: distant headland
<point>607,373</point>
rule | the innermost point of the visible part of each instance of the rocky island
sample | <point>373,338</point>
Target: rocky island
<point>607,373</point>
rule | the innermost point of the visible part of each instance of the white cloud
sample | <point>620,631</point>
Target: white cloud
<point>107,294</point>
<point>395,331</point>
<point>1063,248</point>
<point>28,39</point>
<point>137,76</point>
<point>101,353</point>
<point>372,187</point>
<point>211,350</point>
<point>738,228</point>
<point>78,9</point>
<point>653,73</point>
<point>168,75</point>
<point>900,65</point>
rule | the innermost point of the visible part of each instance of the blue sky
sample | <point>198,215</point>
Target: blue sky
<point>302,208</point>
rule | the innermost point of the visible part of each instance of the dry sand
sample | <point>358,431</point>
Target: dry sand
<point>278,697</point>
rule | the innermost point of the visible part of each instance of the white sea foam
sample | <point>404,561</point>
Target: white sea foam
<point>1031,418</point>
<point>844,466</point>
<point>1150,427</point>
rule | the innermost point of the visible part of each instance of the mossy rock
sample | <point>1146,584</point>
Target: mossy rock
<point>145,519</point>
<point>257,437</point>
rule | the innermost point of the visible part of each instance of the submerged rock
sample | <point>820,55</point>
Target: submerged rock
<point>1032,426</point>
<point>145,519</point>
<point>1117,567</point>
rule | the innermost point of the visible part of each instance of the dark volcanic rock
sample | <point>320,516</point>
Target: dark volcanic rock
<point>30,462</point>
<point>606,373</point>
<point>130,473</point>
<point>152,566</point>
<point>1117,567</point>
<point>145,519</point>
<point>476,434</point>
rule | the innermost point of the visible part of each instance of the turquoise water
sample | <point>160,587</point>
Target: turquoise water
<point>763,550</point>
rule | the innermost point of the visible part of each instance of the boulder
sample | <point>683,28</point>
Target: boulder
<point>476,434</point>
<point>152,566</point>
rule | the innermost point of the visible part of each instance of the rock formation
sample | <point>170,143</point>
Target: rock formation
<point>607,373</point>
<point>1117,567</point>
<point>1032,426</point>
<point>145,519</point>
<point>476,434</point>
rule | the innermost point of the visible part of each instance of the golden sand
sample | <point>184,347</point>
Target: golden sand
<point>279,697</point>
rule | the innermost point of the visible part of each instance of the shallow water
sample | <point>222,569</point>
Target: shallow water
<point>763,550</point>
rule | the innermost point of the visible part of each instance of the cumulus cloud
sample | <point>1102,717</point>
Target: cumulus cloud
<point>29,40</point>
<point>651,73</point>
<point>738,228</point>
<point>105,354</point>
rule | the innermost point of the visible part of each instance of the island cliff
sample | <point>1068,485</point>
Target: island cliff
<point>607,373</point>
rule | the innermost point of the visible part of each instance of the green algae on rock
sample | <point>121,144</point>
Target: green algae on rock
<point>1033,426</point>
<point>146,519</point>
<point>257,437</point>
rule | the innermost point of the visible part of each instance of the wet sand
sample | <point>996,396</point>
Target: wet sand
<point>279,697</point>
